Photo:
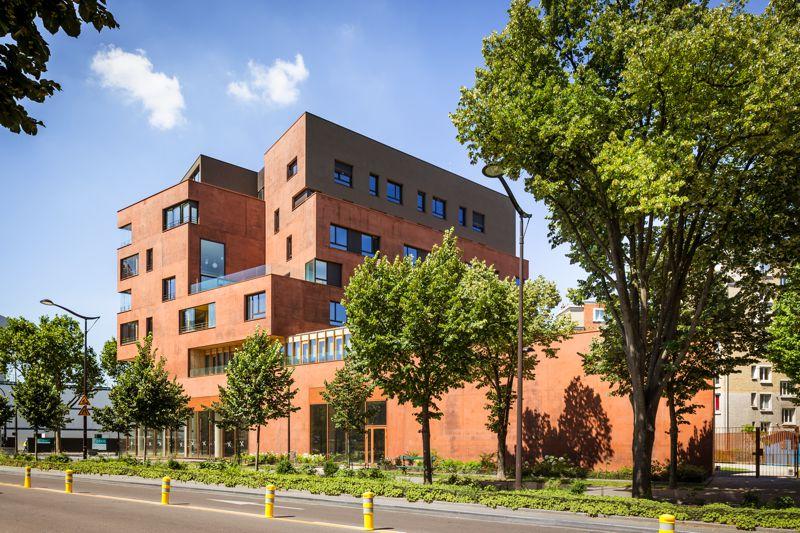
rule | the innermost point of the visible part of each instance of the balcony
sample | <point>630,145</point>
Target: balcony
<point>230,279</point>
<point>197,318</point>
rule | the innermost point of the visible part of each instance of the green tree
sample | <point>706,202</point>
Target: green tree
<point>494,311</point>
<point>6,410</point>
<point>784,330</point>
<point>347,396</point>
<point>38,401</point>
<point>258,388</point>
<point>24,52</point>
<point>660,136</point>
<point>113,418</point>
<point>111,366</point>
<point>411,332</point>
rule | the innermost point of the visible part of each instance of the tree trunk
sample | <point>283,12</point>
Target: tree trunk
<point>36,444</point>
<point>673,444</point>
<point>145,444</point>
<point>58,441</point>
<point>501,452</point>
<point>258,444</point>
<point>427,464</point>
<point>119,447</point>
<point>347,449</point>
<point>643,437</point>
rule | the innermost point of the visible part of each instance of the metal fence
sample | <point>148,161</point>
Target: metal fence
<point>748,451</point>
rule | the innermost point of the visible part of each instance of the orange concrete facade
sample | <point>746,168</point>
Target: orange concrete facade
<point>270,237</point>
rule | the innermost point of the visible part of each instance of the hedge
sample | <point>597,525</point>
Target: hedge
<point>742,518</point>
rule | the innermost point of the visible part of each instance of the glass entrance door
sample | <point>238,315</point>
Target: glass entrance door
<point>376,444</point>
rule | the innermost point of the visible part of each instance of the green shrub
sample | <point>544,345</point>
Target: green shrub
<point>781,502</point>
<point>307,469</point>
<point>284,466</point>
<point>623,473</point>
<point>58,458</point>
<point>578,486</point>
<point>217,464</point>
<point>173,464</point>
<point>687,473</point>
<point>329,469</point>
<point>550,466</point>
<point>751,499</point>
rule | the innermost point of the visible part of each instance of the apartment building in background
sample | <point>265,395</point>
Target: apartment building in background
<point>757,396</point>
<point>226,250</point>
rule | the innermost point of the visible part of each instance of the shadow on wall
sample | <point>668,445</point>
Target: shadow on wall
<point>699,450</point>
<point>582,432</point>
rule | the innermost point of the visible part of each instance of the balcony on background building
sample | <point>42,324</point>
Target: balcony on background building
<point>229,279</point>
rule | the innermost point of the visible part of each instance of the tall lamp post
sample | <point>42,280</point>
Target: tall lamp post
<point>494,170</point>
<point>86,320</point>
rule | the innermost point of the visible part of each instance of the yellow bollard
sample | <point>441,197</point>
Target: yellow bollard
<point>68,481</point>
<point>369,518</point>
<point>666,522</point>
<point>165,490</point>
<point>269,501</point>
<point>27,483</point>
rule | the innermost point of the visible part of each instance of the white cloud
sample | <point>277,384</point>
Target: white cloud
<point>276,85</point>
<point>132,74</point>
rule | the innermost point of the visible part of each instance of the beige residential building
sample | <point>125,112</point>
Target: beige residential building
<point>754,395</point>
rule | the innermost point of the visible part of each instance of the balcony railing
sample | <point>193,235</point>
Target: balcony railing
<point>206,371</point>
<point>230,279</point>
<point>196,326</point>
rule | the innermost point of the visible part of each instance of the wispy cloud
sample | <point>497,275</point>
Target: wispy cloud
<point>277,84</point>
<point>133,76</point>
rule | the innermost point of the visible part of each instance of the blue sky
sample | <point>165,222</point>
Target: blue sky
<point>389,70</point>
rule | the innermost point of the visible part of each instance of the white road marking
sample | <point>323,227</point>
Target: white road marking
<point>239,502</point>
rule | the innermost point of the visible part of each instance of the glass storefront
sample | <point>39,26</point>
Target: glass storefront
<point>369,447</point>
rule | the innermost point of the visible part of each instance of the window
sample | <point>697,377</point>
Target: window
<point>148,259</point>
<point>765,402</point>
<point>301,197</point>
<point>129,266</point>
<point>126,235</point>
<point>765,374</point>
<point>478,221</point>
<point>765,426</point>
<point>148,326</point>
<point>462,216</point>
<point>128,332</point>
<point>598,315</point>
<point>353,241</point>
<point>414,253</point>
<point>209,361</point>
<point>255,306</point>
<point>338,315</point>
<point>439,208</point>
<point>338,237</point>
<point>787,416</point>
<point>369,245</point>
<point>168,289</point>
<point>276,220</point>
<point>180,214</point>
<point>212,260</point>
<point>420,201</point>
<point>343,174</point>
<point>754,400</point>
<point>787,389</point>
<point>288,247</point>
<point>324,272</point>
<point>373,185</point>
<point>394,192</point>
<point>197,318</point>
<point>716,402</point>
<point>125,301</point>
<point>291,169</point>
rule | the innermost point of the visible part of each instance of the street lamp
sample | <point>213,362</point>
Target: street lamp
<point>493,170</point>
<point>86,320</point>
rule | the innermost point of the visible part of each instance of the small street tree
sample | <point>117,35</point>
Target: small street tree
<point>39,402</point>
<point>494,312</point>
<point>411,332</point>
<point>784,330</point>
<point>258,389</point>
<point>112,418</point>
<point>111,366</point>
<point>347,396</point>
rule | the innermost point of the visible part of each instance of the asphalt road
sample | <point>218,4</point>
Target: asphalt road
<point>126,506</point>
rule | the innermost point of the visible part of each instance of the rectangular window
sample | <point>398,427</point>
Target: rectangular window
<point>276,220</point>
<point>126,235</point>
<point>394,192</point>
<point>148,326</point>
<point>373,185</point>
<point>181,213</point>
<point>369,245</point>
<point>439,208</point>
<point>338,315</point>
<point>128,332</point>
<point>168,289</point>
<point>148,255</point>
<point>598,315</point>
<point>787,390</point>
<point>125,301</point>
<point>716,402</point>
<point>787,416</point>
<point>765,426</point>
<point>414,253</point>
<point>291,169</point>
<point>324,272</point>
<point>765,402</point>
<point>338,237</point>
<point>353,241</point>
<point>301,197</point>
<point>197,318</point>
<point>343,174</point>
<point>754,400</point>
<point>129,266</point>
<point>478,221</point>
<point>420,201</point>
<point>255,306</point>
<point>319,428</point>
<point>462,216</point>
<point>288,247</point>
<point>765,374</point>
<point>212,260</point>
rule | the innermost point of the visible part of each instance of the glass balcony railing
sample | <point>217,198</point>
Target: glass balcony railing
<point>230,279</point>
<point>206,371</point>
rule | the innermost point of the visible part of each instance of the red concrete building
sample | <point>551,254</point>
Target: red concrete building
<point>227,250</point>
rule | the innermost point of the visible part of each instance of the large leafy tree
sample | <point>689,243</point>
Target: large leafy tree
<point>347,396</point>
<point>411,332</point>
<point>38,401</point>
<point>111,366</point>
<point>24,52</point>
<point>258,388</point>
<point>494,312</point>
<point>662,138</point>
<point>784,330</point>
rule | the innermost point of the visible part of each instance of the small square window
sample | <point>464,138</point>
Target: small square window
<point>598,315</point>
<point>394,192</point>
<point>343,174</point>
<point>420,201</point>
<point>255,306</point>
<point>765,402</point>
<point>291,169</point>
<point>765,374</point>
<point>478,221</point>
<point>787,416</point>
<point>168,289</point>
<point>338,315</point>
<point>439,208</point>
<point>373,185</point>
